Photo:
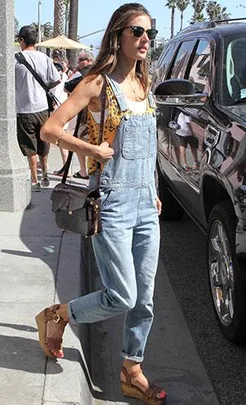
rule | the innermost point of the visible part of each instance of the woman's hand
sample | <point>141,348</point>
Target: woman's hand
<point>158,205</point>
<point>103,152</point>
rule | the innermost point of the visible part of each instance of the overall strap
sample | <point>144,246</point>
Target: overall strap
<point>119,95</point>
<point>151,100</point>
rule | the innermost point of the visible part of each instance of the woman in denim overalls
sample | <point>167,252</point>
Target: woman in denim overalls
<point>127,248</point>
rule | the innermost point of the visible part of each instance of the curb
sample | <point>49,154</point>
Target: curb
<point>72,385</point>
<point>95,337</point>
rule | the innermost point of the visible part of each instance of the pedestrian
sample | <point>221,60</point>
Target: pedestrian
<point>66,68</point>
<point>127,248</point>
<point>56,56</point>
<point>31,103</point>
<point>61,96</point>
<point>187,137</point>
<point>85,61</point>
<point>58,90</point>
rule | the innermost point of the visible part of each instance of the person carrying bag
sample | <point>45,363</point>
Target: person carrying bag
<point>127,248</point>
<point>53,102</point>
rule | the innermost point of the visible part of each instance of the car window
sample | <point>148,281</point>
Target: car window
<point>165,59</point>
<point>199,67</point>
<point>234,88</point>
<point>160,72</point>
<point>181,60</point>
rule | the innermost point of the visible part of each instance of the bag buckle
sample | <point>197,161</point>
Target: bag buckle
<point>56,318</point>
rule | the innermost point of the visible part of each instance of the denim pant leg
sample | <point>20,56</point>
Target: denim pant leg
<point>118,277</point>
<point>138,321</point>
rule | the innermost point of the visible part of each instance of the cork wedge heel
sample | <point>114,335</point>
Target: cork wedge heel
<point>49,314</point>
<point>154,395</point>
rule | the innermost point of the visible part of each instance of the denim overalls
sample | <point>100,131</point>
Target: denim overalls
<point>127,249</point>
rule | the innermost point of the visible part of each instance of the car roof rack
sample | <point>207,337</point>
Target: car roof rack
<point>229,19</point>
<point>208,24</point>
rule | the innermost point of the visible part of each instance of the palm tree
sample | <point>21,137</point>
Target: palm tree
<point>46,30</point>
<point>181,6</point>
<point>213,10</point>
<point>73,29</point>
<point>59,17</point>
<point>198,18</point>
<point>216,12</point>
<point>67,4</point>
<point>198,6</point>
<point>223,14</point>
<point>172,5</point>
<point>73,19</point>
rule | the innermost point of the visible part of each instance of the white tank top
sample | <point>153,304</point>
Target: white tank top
<point>137,107</point>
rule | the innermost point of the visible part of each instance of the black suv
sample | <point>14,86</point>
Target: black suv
<point>200,87</point>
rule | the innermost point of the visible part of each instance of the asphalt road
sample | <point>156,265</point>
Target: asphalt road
<point>183,247</point>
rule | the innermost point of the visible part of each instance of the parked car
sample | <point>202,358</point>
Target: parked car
<point>200,87</point>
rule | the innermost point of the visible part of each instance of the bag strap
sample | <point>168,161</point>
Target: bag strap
<point>100,138</point>
<point>21,59</point>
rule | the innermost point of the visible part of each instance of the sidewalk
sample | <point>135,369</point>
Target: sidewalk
<point>171,360</point>
<point>39,266</point>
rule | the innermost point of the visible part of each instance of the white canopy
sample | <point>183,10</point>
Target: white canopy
<point>61,41</point>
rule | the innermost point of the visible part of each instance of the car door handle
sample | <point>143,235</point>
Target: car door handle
<point>211,136</point>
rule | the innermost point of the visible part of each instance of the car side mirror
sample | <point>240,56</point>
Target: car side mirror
<point>178,93</point>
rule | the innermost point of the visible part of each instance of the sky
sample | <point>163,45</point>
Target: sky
<point>95,14</point>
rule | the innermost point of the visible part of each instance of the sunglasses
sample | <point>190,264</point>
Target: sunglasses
<point>82,59</point>
<point>139,31</point>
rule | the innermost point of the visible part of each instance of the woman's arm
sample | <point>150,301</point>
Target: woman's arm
<point>87,92</point>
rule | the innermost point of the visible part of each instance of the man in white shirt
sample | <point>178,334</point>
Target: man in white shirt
<point>187,137</point>
<point>31,103</point>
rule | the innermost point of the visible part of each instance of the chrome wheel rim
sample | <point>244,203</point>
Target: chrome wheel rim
<point>221,272</point>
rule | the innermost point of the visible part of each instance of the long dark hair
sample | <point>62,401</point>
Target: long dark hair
<point>108,56</point>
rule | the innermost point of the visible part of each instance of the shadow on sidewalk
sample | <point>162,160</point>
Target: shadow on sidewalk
<point>37,282</point>
<point>52,272</point>
<point>18,348</point>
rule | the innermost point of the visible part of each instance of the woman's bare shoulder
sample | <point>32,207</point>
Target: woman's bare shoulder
<point>88,93</point>
<point>93,84</point>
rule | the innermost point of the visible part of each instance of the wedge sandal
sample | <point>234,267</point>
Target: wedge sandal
<point>49,314</point>
<point>154,395</point>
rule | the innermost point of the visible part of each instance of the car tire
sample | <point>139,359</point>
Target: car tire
<point>226,275</point>
<point>171,209</point>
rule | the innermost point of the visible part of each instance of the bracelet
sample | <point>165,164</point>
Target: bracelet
<point>59,137</point>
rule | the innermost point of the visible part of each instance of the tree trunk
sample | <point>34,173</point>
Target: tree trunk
<point>59,14</point>
<point>73,30</point>
<point>172,21</point>
<point>66,17</point>
<point>181,20</point>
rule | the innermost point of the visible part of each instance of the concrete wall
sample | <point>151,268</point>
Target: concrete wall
<point>15,192</point>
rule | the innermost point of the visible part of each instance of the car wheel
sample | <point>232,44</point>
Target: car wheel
<point>227,284</point>
<point>171,209</point>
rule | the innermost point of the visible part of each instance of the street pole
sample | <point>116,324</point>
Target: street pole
<point>39,20</point>
<point>91,33</point>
